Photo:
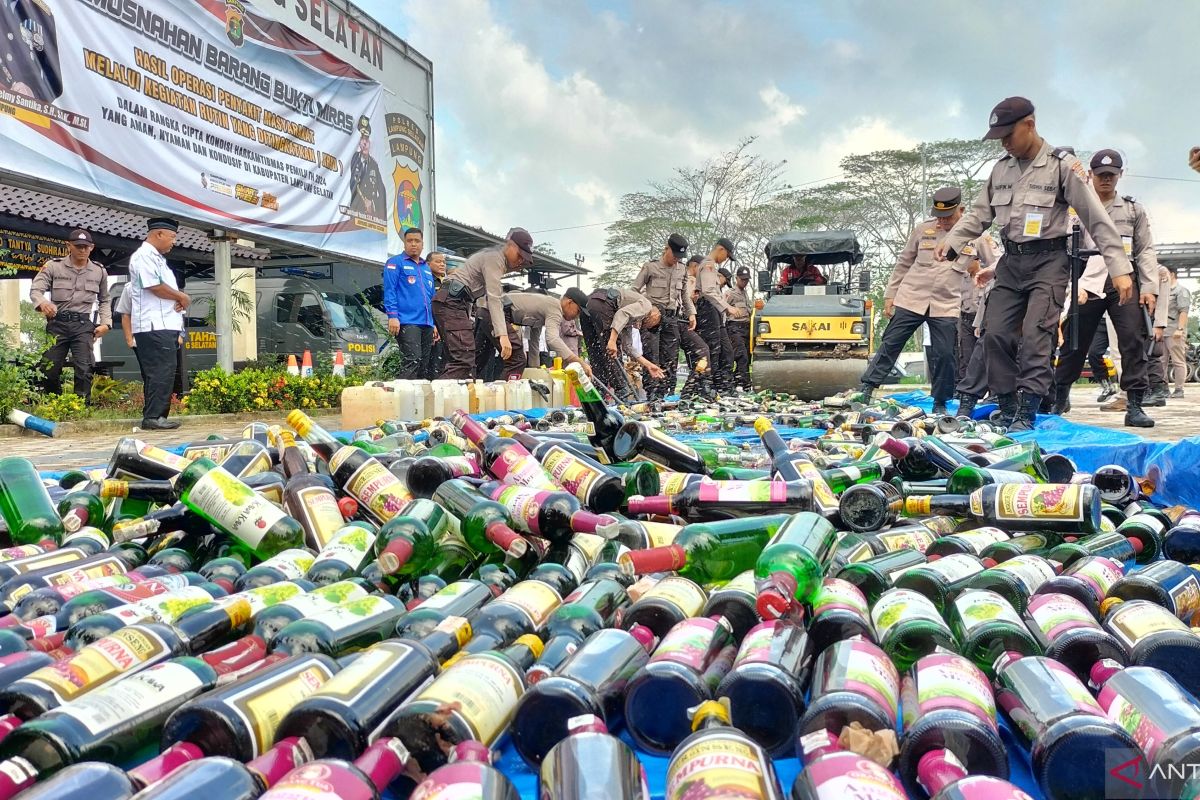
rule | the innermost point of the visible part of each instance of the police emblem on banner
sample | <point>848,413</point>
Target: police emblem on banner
<point>406,209</point>
<point>235,21</point>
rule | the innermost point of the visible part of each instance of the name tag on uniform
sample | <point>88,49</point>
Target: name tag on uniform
<point>1033,224</point>
<point>1127,243</point>
<point>926,244</point>
<point>968,250</point>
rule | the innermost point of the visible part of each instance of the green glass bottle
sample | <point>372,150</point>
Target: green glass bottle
<point>1149,529</point>
<point>870,507</point>
<point>852,548</point>
<point>1070,508</point>
<point>909,627</point>
<point>707,552</point>
<point>1029,544</point>
<point>1016,579</point>
<point>25,504</point>
<point>1110,544</point>
<point>789,570</point>
<point>640,477</point>
<point>257,525</point>
<point>875,576</point>
<point>970,477</point>
<point>80,509</point>
<point>606,422</point>
<point>987,626</point>
<point>408,543</point>
<point>972,542</point>
<point>941,578</point>
<point>841,478</point>
<point>484,524</point>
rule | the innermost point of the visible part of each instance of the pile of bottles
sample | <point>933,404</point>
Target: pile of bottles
<point>296,615</point>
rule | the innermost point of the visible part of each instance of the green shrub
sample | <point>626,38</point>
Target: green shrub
<point>20,372</point>
<point>61,407</point>
<point>215,391</point>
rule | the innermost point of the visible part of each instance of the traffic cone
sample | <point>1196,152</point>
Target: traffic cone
<point>339,365</point>
<point>306,370</point>
<point>293,368</point>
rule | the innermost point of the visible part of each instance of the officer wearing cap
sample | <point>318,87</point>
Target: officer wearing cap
<point>663,282</point>
<point>65,292</point>
<point>1128,319</point>
<point>1027,196</point>
<point>536,310</point>
<point>475,287</point>
<point>156,316</point>
<point>712,310</point>
<point>608,319</point>
<point>738,296</point>
<point>699,380</point>
<point>925,291</point>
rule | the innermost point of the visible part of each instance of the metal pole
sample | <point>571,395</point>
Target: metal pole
<point>579,259</point>
<point>223,273</point>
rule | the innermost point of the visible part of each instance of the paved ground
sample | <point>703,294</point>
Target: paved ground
<point>1180,418</point>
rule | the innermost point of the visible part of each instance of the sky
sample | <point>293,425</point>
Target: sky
<point>547,111</point>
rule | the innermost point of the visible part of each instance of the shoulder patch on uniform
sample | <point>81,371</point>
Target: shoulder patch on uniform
<point>931,231</point>
<point>1128,198</point>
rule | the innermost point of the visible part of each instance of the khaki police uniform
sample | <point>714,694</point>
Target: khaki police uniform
<point>710,315</point>
<point>81,295</point>
<point>665,287</point>
<point>472,288</point>
<point>612,310</point>
<point>533,310</point>
<point>1178,302</point>
<point>1028,203</point>
<point>739,333</point>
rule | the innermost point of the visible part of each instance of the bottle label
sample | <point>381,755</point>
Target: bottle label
<point>132,592</point>
<point>93,535</point>
<point>756,647</point>
<point>1098,572</point>
<point>325,597</point>
<point>743,492</point>
<point>898,605</point>
<point>235,507</point>
<point>720,763</point>
<point>292,563</point>
<point>1185,594</point>
<point>461,466</point>
<point>244,606</point>
<point>955,567</point>
<point>365,673</point>
<point>1132,622</point>
<point>823,496</point>
<point>462,780</point>
<point>1055,614</point>
<point>351,545</point>
<point>20,551</point>
<point>1146,521</point>
<point>673,483</point>
<point>106,582</point>
<point>522,505</point>
<point>939,526</point>
<point>849,775</point>
<point>167,459</point>
<point>351,613</point>
<point>317,509</point>
<point>103,568</point>
<point>693,643</point>
<point>569,472</point>
<point>380,492</point>
<point>1030,571</point>
<point>661,534</point>
<point>1149,736</point>
<point>981,607</point>
<point>447,594</point>
<point>981,787</point>
<point>916,537</point>
<point>162,686</point>
<point>947,680</point>
<point>980,538</point>
<point>835,594</point>
<point>1022,501</point>
<point>516,466</point>
<point>101,661</point>
<point>484,689</point>
<point>869,672</point>
<point>681,592</point>
<point>162,608</point>
<point>538,600</point>
<point>263,704</point>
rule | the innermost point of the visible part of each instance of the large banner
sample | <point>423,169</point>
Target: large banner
<point>211,110</point>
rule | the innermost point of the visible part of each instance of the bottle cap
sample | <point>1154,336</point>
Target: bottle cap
<point>383,761</point>
<point>776,595</point>
<point>533,643</point>
<point>471,750</point>
<point>709,709</point>
<point>894,447</point>
<point>236,656</point>
<point>644,636</point>
<point>667,558</point>
<point>762,425</point>
<point>989,562</point>
<point>537,673</point>
<point>395,555</point>
<point>349,508</point>
<point>657,504</point>
<point>506,539</point>
<point>8,724</point>
<point>1137,545</point>
<point>300,421</point>
<point>1108,604</point>
<point>1102,670</point>
<point>937,769</point>
<point>285,756</point>
<point>164,763</point>
<point>918,504</point>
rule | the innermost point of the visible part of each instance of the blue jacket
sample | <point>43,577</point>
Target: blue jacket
<point>408,291</point>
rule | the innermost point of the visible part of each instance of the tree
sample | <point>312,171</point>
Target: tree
<point>736,195</point>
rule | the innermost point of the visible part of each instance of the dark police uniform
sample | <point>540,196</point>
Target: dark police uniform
<point>29,49</point>
<point>1129,319</point>
<point>80,293</point>
<point>1029,203</point>
<point>710,322</point>
<point>666,288</point>
<point>616,310</point>
<point>739,330</point>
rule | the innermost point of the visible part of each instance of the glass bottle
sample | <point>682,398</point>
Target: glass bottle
<point>1033,544</point>
<point>345,628</point>
<point>1063,507</point>
<point>165,608</point>
<point>986,626</point>
<point>969,477</point>
<point>766,685</point>
<point>736,601</point>
<point>277,615</point>
<point>1088,580</point>
<point>941,578</point>
<point>459,599</point>
<point>310,499</point>
<point>506,459</point>
<point>589,760</point>
<point>136,459</point>
<point>56,569</point>
<point>870,507</point>
<point>845,774</point>
<point>839,611</point>
<point>1016,579</point>
<point>712,500</point>
<point>552,515</point>
<point>1154,637</point>
<point>1172,585</point>
<point>25,504</point>
<point>366,778</point>
<point>606,422</point>
<point>347,552</point>
<point>484,523</point>
<point>670,601</point>
<point>875,575</point>
<point>793,562</point>
<point>972,542</point>
<point>286,565</point>
<point>426,473</point>
<point>81,509</point>
<point>469,771</point>
<point>641,441</point>
<point>908,626</point>
<point>853,681</point>
<point>708,552</point>
<point>1109,544</point>
<point>1069,634</point>
<point>698,765</point>
<point>590,608</point>
<point>408,544</point>
<point>941,775</point>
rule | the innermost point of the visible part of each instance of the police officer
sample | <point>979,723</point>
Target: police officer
<point>1129,319</point>
<point>432,367</point>
<point>712,310</point>
<point>738,296</point>
<point>984,256</point>
<point>65,292</point>
<point>923,291</point>
<point>478,280</point>
<point>536,310</point>
<point>608,320</point>
<point>699,379</point>
<point>663,283</point>
<point>1027,195</point>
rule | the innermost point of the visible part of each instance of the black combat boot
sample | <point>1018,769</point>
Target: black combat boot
<point>939,408</point>
<point>1027,408</point>
<point>1134,416</point>
<point>1108,390</point>
<point>1008,409</point>
<point>867,393</point>
<point>1062,399</point>
<point>966,404</point>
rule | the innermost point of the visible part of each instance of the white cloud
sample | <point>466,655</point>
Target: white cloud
<point>781,110</point>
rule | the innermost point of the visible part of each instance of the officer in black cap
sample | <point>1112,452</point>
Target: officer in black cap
<point>925,291</point>
<point>664,283</point>
<point>1128,319</point>
<point>712,311</point>
<point>1027,196</point>
<point>740,297</point>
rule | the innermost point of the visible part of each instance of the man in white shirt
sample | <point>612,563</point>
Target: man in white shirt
<point>156,314</point>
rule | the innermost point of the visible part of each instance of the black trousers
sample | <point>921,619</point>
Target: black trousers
<point>488,364</point>
<point>75,337</point>
<point>1021,323</point>
<point>966,344</point>
<point>1157,367</point>
<point>739,343</point>
<point>414,342</point>
<point>596,326</point>
<point>1095,354</point>
<point>453,318</point>
<point>432,367</point>
<point>942,334</point>
<point>1130,326</point>
<point>712,331</point>
<point>157,353</point>
<point>661,346</point>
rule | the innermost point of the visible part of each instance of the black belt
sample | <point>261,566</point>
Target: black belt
<point>1033,248</point>
<point>72,316</point>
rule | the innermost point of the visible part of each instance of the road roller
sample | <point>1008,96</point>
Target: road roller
<point>811,333</point>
